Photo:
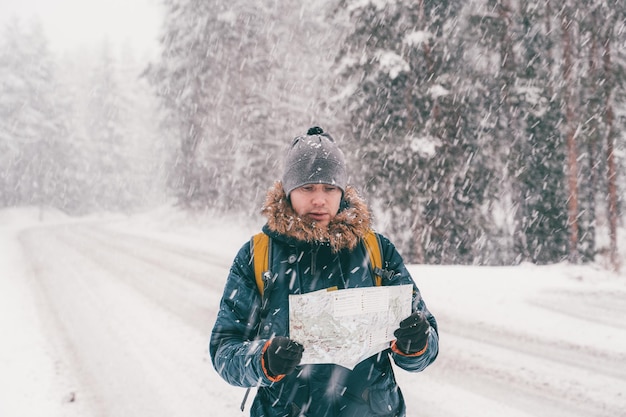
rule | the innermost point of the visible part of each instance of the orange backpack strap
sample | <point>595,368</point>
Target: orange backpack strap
<point>372,245</point>
<point>260,248</point>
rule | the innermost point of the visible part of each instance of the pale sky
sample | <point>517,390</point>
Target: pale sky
<point>71,24</point>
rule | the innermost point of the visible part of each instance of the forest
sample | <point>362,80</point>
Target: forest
<point>486,132</point>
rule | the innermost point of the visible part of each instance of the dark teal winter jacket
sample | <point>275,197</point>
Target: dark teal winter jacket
<point>301,264</point>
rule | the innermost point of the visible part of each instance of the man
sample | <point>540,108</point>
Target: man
<point>316,223</point>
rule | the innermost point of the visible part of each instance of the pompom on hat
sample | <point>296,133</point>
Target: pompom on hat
<point>314,158</point>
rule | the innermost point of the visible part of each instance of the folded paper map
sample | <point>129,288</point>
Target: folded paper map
<point>346,326</point>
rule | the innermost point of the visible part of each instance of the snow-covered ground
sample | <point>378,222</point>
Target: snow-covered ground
<point>111,317</point>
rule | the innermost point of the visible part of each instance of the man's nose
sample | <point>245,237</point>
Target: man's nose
<point>318,198</point>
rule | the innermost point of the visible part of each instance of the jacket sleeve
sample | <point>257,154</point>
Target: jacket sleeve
<point>234,348</point>
<point>419,361</point>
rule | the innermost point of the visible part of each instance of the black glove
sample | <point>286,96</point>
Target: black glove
<point>282,356</point>
<point>412,335</point>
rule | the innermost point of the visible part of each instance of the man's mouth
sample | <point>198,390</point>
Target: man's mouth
<point>318,216</point>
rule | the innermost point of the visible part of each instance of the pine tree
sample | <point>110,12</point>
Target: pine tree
<point>540,152</point>
<point>413,123</point>
<point>522,122</point>
<point>106,136</point>
<point>32,133</point>
<point>238,81</point>
<point>11,86</point>
<point>202,81</point>
<point>146,148</point>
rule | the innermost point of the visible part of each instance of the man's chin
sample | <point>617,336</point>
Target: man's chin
<point>318,221</point>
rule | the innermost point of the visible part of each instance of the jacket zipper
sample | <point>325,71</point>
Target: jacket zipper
<point>314,251</point>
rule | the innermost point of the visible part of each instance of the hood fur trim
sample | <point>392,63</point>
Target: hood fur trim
<point>344,230</point>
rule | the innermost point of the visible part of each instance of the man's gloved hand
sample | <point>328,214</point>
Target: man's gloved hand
<point>412,335</point>
<point>282,356</point>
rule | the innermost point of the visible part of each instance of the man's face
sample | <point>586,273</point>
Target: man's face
<point>317,202</point>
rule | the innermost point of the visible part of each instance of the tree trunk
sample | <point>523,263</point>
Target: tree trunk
<point>570,132</point>
<point>548,29</point>
<point>593,140</point>
<point>610,139</point>
<point>507,78</point>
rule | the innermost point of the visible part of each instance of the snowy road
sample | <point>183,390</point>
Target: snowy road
<point>130,318</point>
<point>126,320</point>
<point>527,342</point>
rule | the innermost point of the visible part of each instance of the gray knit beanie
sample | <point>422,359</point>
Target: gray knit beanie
<point>314,159</point>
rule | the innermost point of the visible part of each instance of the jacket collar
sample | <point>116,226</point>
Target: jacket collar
<point>344,231</point>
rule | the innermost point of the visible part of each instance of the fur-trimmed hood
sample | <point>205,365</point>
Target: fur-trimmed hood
<point>344,231</point>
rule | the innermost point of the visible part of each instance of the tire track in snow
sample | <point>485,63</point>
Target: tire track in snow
<point>525,382</point>
<point>134,241</point>
<point>604,307</point>
<point>132,357</point>
<point>595,359</point>
<point>187,287</point>
<point>191,264</point>
<point>524,372</point>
